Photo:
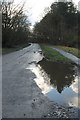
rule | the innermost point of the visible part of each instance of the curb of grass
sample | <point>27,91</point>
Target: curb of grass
<point>54,55</point>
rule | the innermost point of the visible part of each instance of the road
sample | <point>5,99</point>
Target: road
<point>21,97</point>
<point>68,55</point>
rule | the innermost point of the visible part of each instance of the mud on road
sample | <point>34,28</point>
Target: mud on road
<point>21,97</point>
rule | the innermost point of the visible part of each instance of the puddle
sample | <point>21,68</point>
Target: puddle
<point>58,81</point>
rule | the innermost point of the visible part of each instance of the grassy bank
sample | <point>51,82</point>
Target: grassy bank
<point>71,50</point>
<point>16,48</point>
<point>8,50</point>
<point>53,55</point>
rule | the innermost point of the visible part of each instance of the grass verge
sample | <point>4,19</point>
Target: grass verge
<point>16,48</point>
<point>71,50</point>
<point>53,55</point>
<point>8,50</point>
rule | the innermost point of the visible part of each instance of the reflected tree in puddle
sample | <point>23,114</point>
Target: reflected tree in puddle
<point>58,81</point>
<point>61,75</point>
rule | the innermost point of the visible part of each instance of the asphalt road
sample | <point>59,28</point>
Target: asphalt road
<point>21,97</point>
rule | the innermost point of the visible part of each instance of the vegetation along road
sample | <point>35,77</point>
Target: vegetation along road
<point>68,55</point>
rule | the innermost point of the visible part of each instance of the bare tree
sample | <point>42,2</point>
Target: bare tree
<point>14,23</point>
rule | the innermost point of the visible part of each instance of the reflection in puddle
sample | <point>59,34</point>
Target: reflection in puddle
<point>61,75</point>
<point>58,81</point>
<point>42,79</point>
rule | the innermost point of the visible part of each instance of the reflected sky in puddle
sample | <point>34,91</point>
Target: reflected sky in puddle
<point>58,81</point>
<point>42,79</point>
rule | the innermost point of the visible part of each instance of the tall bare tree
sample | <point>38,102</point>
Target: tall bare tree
<point>15,25</point>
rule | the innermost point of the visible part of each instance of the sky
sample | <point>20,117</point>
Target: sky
<point>35,8</point>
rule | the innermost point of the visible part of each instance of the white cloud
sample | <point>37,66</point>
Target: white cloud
<point>36,8</point>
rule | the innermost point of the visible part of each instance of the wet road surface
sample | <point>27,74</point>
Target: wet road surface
<point>21,97</point>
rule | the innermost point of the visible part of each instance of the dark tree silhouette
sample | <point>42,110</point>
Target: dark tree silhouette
<point>15,26</point>
<point>59,25</point>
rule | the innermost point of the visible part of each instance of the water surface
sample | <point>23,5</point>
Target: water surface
<point>58,81</point>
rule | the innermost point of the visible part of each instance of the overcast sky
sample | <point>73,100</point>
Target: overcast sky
<point>36,8</point>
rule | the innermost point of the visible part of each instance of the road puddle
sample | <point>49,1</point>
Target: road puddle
<point>58,81</point>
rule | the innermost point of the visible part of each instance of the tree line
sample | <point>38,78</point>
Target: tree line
<point>15,25</point>
<point>59,26</point>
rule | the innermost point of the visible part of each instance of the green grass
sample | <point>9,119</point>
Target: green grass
<point>0,51</point>
<point>8,50</point>
<point>53,55</point>
<point>71,50</point>
<point>16,48</point>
